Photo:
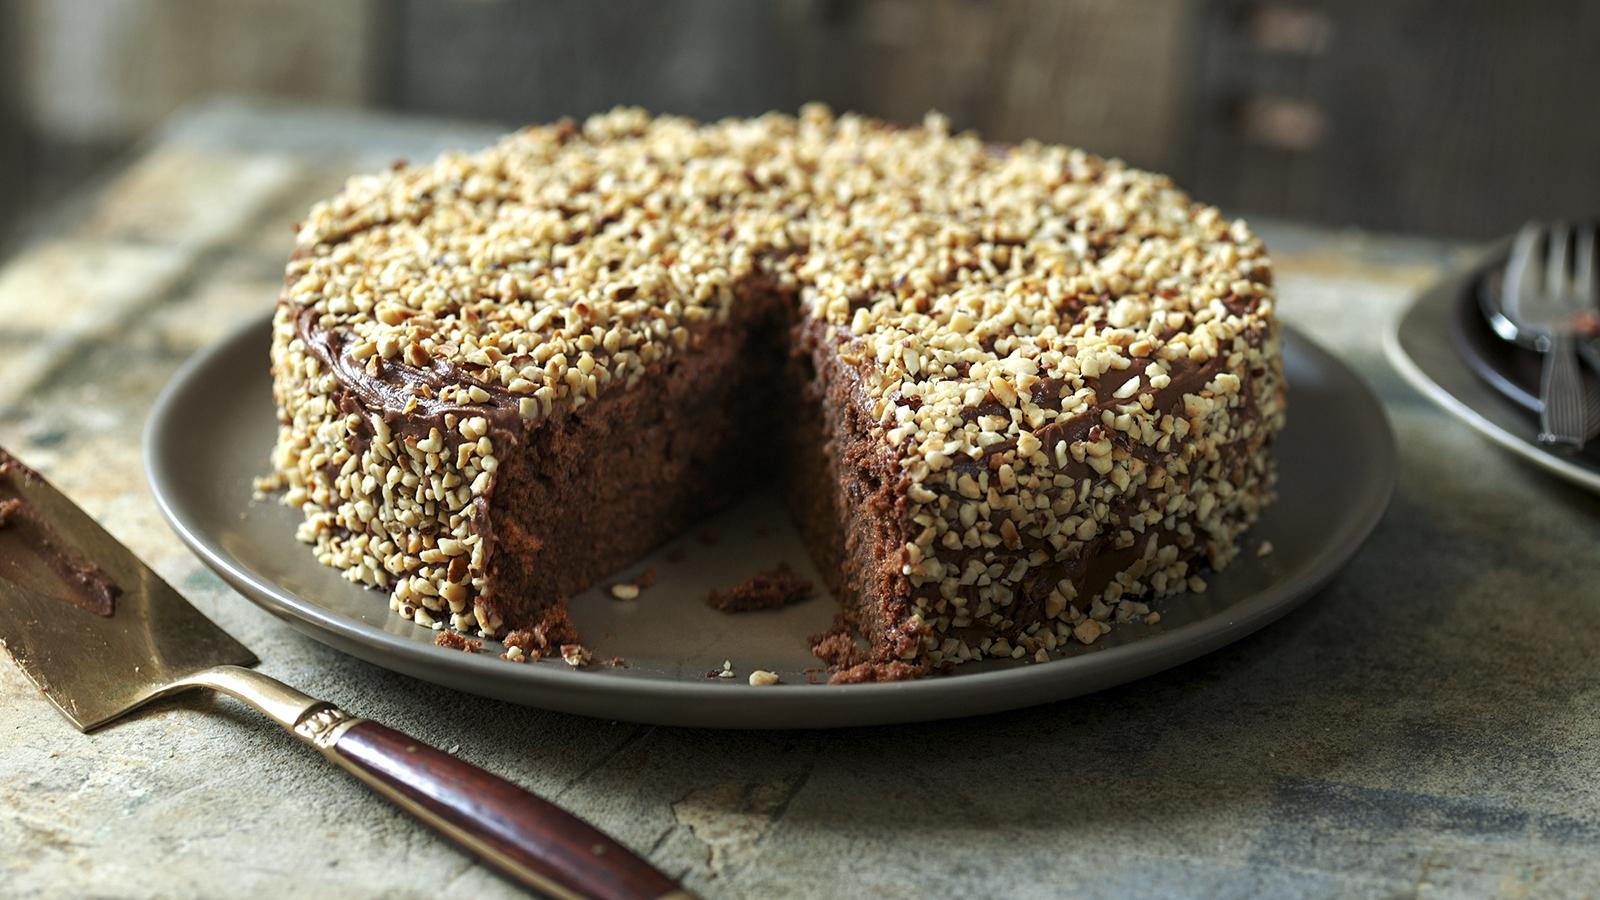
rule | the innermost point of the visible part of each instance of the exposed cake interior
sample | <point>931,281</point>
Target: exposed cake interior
<point>760,402</point>
<point>593,488</point>
<point>847,497</point>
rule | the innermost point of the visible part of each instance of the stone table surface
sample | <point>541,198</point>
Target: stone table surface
<point>1428,725</point>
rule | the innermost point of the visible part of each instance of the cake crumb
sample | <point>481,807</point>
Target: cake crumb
<point>1088,631</point>
<point>1197,584</point>
<point>556,629</point>
<point>514,654</point>
<point>1042,656</point>
<point>1265,549</point>
<point>771,589</point>
<point>452,640</point>
<point>575,655</point>
<point>1152,619</point>
<point>725,672</point>
<point>871,672</point>
<point>761,678</point>
<point>526,641</point>
<point>8,508</point>
<point>837,646</point>
<point>850,663</point>
<point>615,662</point>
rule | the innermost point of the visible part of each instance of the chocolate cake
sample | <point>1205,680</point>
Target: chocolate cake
<point>1011,390</point>
<point>770,589</point>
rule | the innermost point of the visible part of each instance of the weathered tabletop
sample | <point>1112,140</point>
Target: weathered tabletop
<point>1428,725</point>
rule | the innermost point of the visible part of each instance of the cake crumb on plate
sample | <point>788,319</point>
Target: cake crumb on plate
<point>454,641</point>
<point>575,655</point>
<point>771,589</point>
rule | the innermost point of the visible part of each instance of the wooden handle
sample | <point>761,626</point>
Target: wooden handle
<point>535,842</point>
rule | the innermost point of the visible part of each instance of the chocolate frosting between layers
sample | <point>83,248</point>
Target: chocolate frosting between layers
<point>405,395</point>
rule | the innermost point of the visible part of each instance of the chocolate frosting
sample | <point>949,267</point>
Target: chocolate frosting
<point>388,387</point>
<point>87,585</point>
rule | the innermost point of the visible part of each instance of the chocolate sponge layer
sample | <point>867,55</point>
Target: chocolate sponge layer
<point>592,488</point>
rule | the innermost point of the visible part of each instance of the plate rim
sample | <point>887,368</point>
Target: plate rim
<point>814,705</point>
<point>1439,299</point>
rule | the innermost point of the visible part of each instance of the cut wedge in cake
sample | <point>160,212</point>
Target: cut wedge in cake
<point>1011,392</point>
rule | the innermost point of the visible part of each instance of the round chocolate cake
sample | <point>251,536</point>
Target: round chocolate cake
<point>1012,392</point>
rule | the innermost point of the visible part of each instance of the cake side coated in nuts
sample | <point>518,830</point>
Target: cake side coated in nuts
<point>1041,384</point>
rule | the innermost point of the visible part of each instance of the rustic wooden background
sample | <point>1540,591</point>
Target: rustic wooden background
<point>1457,117</point>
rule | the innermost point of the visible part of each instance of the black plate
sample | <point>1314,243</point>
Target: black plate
<point>1512,371</point>
<point>671,638</point>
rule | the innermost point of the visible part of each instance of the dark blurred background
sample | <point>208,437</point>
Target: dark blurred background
<point>1449,117</point>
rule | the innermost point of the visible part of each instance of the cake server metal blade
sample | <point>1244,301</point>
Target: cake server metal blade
<point>92,667</point>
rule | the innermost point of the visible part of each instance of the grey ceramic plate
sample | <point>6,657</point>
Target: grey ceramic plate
<point>1425,345</point>
<point>209,436</point>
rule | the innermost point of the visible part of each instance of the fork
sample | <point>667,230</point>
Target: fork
<point>1549,308</point>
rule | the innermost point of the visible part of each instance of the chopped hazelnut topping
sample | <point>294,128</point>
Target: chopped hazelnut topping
<point>1065,357</point>
<point>575,655</point>
<point>1088,631</point>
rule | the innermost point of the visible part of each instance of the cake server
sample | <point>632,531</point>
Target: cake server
<point>102,635</point>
